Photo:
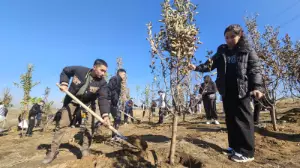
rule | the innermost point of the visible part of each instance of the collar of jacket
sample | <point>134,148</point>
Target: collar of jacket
<point>119,78</point>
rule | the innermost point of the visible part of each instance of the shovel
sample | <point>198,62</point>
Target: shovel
<point>138,120</point>
<point>123,139</point>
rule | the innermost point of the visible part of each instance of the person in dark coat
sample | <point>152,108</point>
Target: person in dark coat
<point>34,111</point>
<point>238,74</point>
<point>114,85</point>
<point>208,91</point>
<point>88,85</point>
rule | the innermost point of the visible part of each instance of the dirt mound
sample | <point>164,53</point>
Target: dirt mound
<point>291,116</point>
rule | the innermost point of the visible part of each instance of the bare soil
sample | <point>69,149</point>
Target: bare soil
<point>198,145</point>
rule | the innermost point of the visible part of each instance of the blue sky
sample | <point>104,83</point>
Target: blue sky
<point>58,33</point>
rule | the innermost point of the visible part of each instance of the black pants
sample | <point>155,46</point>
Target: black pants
<point>117,117</point>
<point>240,126</point>
<point>161,114</point>
<point>30,125</point>
<point>77,117</point>
<point>257,109</point>
<point>129,112</point>
<point>210,108</point>
<point>38,123</point>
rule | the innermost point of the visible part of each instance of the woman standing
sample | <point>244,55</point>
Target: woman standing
<point>208,91</point>
<point>238,74</point>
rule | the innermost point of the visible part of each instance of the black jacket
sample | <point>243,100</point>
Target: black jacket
<point>114,86</point>
<point>207,89</point>
<point>248,70</point>
<point>97,89</point>
<point>35,109</point>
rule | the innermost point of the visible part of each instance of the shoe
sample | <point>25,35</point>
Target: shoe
<point>260,125</point>
<point>240,158</point>
<point>50,157</point>
<point>207,122</point>
<point>216,122</point>
<point>229,152</point>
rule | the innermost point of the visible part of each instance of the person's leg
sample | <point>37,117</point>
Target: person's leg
<point>214,111</point>
<point>244,131</point>
<point>206,104</point>
<point>117,117</point>
<point>230,107</point>
<point>64,123</point>
<point>131,114</point>
<point>161,116</point>
<point>125,116</point>
<point>87,135</point>
<point>31,124</point>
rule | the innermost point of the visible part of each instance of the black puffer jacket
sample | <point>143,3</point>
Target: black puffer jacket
<point>35,109</point>
<point>207,89</point>
<point>248,70</point>
<point>97,88</point>
<point>114,86</point>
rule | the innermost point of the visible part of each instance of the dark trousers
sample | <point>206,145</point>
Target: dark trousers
<point>129,112</point>
<point>117,117</point>
<point>30,125</point>
<point>77,117</point>
<point>257,109</point>
<point>38,123</point>
<point>210,108</point>
<point>240,126</point>
<point>161,115</point>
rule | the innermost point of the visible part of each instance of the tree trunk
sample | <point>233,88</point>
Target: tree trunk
<point>173,142</point>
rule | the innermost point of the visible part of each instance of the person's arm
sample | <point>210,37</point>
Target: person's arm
<point>254,72</point>
<point>112,85</point>
<point>209,65</point>
<point>103,99</point>
<point>67,73</point>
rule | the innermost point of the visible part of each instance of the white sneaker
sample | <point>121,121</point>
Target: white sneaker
<point>216,122</point>
<point>207,122</point>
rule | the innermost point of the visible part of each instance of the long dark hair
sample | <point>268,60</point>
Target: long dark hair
<point>238,31</point>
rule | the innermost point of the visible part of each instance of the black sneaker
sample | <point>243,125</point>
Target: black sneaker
<point>241,159</point>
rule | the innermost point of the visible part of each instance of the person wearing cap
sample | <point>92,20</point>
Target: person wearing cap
<point>88,85</point>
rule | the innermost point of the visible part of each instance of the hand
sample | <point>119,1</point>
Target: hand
<point>191,67</point>
<point>63,88</point>
<point>106,121</point>
<point>257,94</point>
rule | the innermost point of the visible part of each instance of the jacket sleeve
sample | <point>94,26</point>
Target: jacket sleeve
<point>254,72</point>
<point>67,73</point>
<point>112,85</point>
<point>103,99</point>
<point>208,66</point>
<point>211,64</point>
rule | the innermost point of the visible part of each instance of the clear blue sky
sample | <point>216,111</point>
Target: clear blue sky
<point>58,33</point>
